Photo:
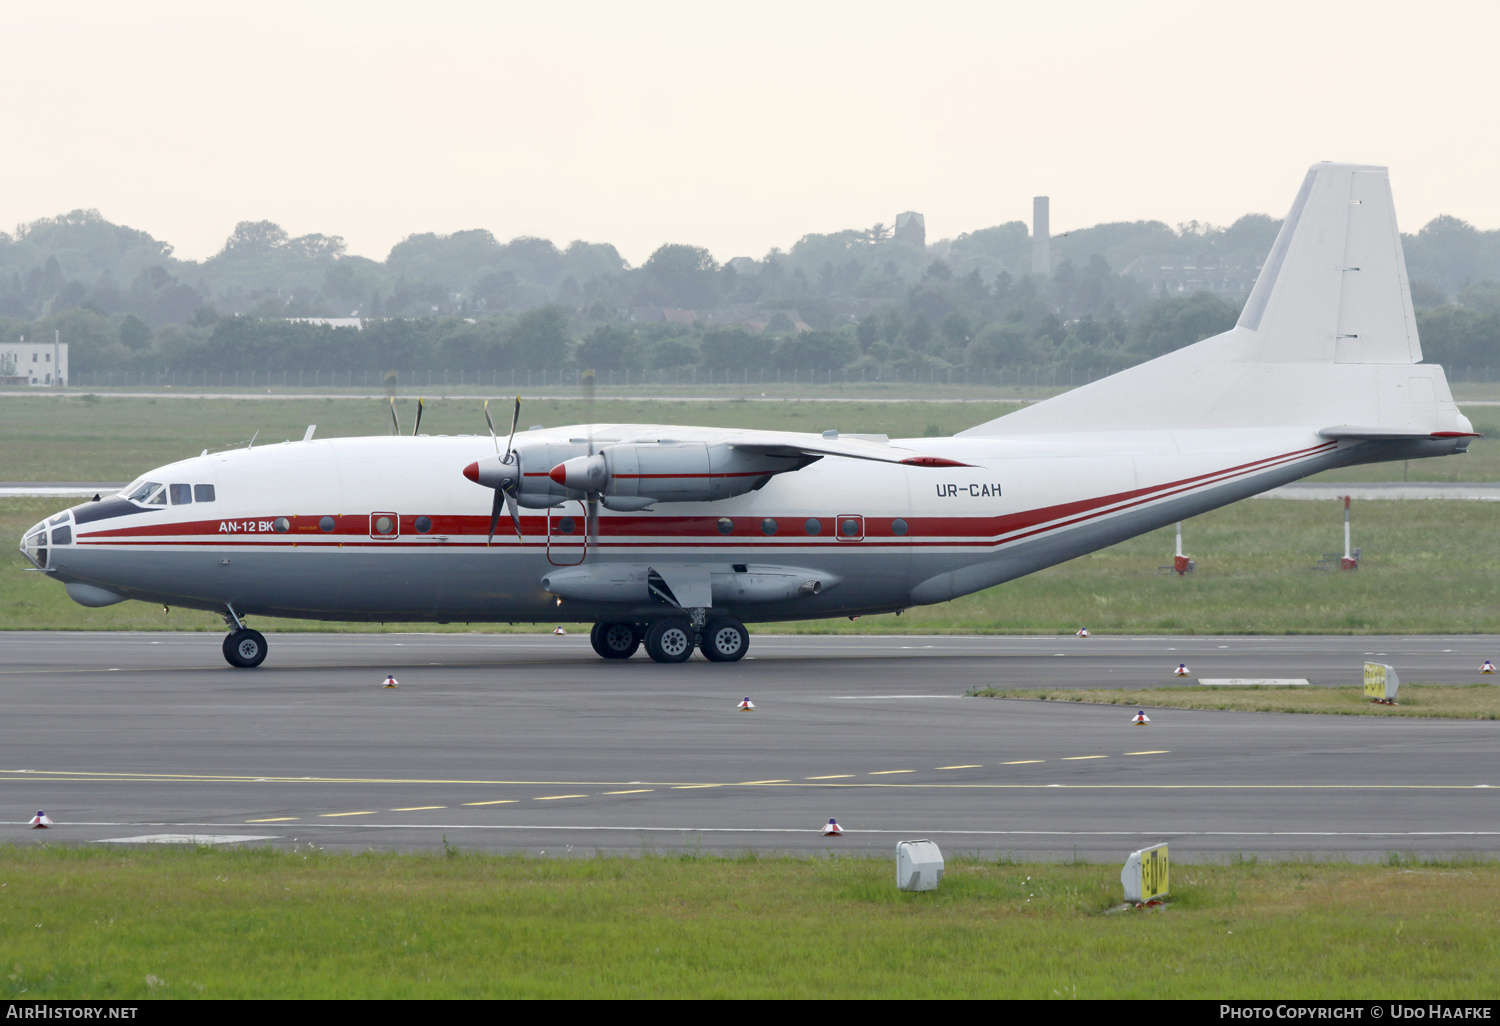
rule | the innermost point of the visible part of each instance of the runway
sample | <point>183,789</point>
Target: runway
<point>530,742</point>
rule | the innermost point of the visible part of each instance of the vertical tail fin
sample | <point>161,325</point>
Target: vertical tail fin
<point>1334,287</point>
<point>1327,337</point>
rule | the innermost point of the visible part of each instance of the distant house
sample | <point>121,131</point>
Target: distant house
<point>31,363</point>
<point>332,322</point>
<point>1166,275</point>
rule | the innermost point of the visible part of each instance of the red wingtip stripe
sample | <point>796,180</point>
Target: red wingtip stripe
<point>933,461</point>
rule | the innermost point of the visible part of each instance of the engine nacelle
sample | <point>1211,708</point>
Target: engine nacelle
<point>631,475</point>
<point>529,465</point>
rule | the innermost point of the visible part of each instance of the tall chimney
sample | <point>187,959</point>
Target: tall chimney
<point>1041,237</point>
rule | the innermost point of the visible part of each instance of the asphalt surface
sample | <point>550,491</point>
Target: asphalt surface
<point>532,743</point>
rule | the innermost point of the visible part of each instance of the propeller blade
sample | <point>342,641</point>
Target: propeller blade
<point>515,418</point>
<point>515,514</point>
<point>588,406</point>
<point>495,514</point>
<point>395,421</point>
<point>417,426</point>
<point>491,423</point>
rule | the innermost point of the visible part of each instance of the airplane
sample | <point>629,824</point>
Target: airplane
<point>674,538</point>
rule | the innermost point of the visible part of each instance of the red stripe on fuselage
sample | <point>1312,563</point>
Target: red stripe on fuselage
<point>987,531</point>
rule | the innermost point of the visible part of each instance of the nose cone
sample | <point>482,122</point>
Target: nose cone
<point>472,472</point>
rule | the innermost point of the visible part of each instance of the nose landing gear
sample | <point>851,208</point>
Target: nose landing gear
<point>243,648</point>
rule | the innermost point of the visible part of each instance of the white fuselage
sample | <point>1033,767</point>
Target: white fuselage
<point>388,528</point>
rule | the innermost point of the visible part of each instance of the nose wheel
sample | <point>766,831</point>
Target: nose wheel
<point>245,648</point>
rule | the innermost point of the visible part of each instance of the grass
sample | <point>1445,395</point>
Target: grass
<point>108,438</point>
<point>91,922</point>
<point>1424,701</point>
<point>1429,567</point>
<point>100,437</point>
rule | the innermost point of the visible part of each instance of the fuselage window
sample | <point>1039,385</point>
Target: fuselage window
<point>567,525</point>
<point>813,526</point>
<point>726,526</point>
<point>385,525</point>
<point>181,494</point>
<point>898,526</point>
<point>849,528</point>
<point>768,526</point>
<point>203,493</point>
<point>423,525</point>
<point>145,489</point>
<point>326,525</point>
<point>281,525</point>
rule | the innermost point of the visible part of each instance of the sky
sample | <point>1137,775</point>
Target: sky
<point>736,127</point>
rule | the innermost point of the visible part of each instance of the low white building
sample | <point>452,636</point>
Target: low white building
<point>33,363</point>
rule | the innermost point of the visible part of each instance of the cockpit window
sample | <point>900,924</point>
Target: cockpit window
<point>158,497</point>
<point>203,493</point>
<point>142,491</point>
<point>181,494</point>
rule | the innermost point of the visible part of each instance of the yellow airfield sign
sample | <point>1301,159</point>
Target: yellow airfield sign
<point>1381,682</point>
<point>1145,874</point>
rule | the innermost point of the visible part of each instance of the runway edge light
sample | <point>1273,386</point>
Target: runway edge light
<point>833,829</point>
<point>40,821</point>
<point>558,630</point>
<point>1083,632</point>
<point>1488,667</point>
<point>1182,671</point>
<point>390,680</point>
<point>1145,875</point>
<point>919,865</point>
<point>1140,719</point>
<point>746,705</point>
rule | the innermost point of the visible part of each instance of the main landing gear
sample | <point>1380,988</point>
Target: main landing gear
<point>243,648</point>
<point>721,640</point>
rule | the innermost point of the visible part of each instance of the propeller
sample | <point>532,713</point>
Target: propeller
<point>508,484</point>
<point>418,425</point>
<point>591,518</point>
<point>390,395</point>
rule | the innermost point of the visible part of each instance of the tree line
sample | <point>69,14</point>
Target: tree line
<point>862,300</point>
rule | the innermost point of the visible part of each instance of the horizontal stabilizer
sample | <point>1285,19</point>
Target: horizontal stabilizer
<point>1367,433</point>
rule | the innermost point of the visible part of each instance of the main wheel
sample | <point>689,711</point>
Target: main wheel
<point>614,640</point>
<point>245,648</point>
<point>725,641</point>
<point>670,641</point>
